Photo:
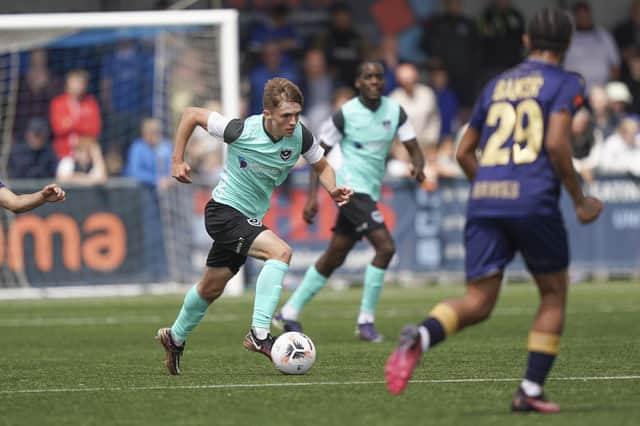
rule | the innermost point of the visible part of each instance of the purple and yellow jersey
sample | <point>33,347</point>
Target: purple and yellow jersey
<point>515,176</point>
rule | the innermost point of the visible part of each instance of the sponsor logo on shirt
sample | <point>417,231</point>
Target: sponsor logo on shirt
<point>257,168</point>
<point>387,125</point>
<point>243,162</point>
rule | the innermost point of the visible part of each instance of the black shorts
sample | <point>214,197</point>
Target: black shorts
<point>358,217</point>
<point>232,233</point>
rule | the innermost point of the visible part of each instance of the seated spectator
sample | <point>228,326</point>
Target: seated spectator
<point>592,52</point>
<point>317,87</point>
<point>276,29</point>
<point>603,118</point>
<point>620,99</point>
<point>149,157</point>
<point>272,66</point>
<point>447,99</point>
<point>632,80</point>
<point>621,151</point>
<point>586,144</point>
<point>627,32</point>
<point>387,54</point>
<point>34,158</point>
<point>35,91</point>
<point>74,114</point>
<point>343,45</point>
<point>84,165</point>
<point>419,102</point>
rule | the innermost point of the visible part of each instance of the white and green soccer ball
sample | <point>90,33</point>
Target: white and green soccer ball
<point>293,353</point>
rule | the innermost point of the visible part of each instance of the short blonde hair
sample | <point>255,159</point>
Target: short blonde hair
<point>279,90</point>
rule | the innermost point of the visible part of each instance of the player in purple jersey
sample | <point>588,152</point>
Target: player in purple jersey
<point>23,203</point>
<point>521,126</point>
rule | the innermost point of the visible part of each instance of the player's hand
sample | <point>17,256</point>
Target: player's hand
<point>589,210</point>
<point>310,210</point>
<point>417,174</point>
<point>341,195</point>
<point>53,193</point>
<point>181,171</point>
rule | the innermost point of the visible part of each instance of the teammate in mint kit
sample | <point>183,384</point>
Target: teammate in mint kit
<point>262,150</point>
<point>364,127</point>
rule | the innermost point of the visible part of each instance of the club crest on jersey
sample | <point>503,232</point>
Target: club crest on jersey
<point>285,154</point>
<point>377,216</point>
<point>387,125</point>
<point>254,221</point>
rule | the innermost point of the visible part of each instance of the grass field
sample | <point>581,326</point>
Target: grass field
<point>95,362</point>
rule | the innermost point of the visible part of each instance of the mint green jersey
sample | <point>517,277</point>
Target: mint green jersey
<point>365,137</point>
<point>256,163</point>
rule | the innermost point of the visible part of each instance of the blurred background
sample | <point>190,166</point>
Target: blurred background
<point>95,109</point>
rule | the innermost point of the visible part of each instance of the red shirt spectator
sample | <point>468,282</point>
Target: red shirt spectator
<point>74,114</point>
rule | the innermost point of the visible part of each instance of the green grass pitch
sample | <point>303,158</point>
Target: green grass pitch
<point>95,362</point>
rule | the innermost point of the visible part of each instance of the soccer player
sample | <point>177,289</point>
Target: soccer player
<point>23,203</point>
<point>261,151</point>
<point>521,123</point>
<point>364,127</point>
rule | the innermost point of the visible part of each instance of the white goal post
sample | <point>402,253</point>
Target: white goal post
<point>215,61</point>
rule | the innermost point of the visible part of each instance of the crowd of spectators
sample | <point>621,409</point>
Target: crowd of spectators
<point>81,132</point>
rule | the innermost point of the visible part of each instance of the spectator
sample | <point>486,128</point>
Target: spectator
<point>84,165</point>
<point>592,51</point>
<point>627,33</point>
<point>420,103</point>
<point>632,80</point>
<point>387,55</point>
<point>317,88</point>
<point>278,30</point>
<point>586,144</point>
<point>74,114</point>
<point>35,91</point>
<point>149,157</point>
<point>344,47</point>
<point>126,89</point>
<point>447,166</point>
<point>451,38</point>
<point>621,151</point>
<point>33,159</point>
<point>272,66</point>
<point>447,99</point>
<point>620,99</point>
<point>603,118</point>
<point>501,27</point>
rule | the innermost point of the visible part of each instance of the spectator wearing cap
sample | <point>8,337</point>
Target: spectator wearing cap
<point>620,99</point>
<point>602,116</point>
<point>621,151</point>
<point>593,52</point>
<point>34,158</point>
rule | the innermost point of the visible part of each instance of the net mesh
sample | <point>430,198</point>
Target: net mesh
<point>133,73</point>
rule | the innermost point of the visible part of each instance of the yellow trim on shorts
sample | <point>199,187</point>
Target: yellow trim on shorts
<point>544,342</point>
<point>447,317</point>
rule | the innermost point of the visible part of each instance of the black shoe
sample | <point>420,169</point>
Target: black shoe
<point>174,352</point>
<point>253,344</point>
<point>284,324</point>
<point>522,403</point>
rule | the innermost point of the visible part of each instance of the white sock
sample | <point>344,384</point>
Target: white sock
<point>178,342</point>
<point>366,317</point>
<point>289,313</point>
<point>425,338</point>
<point>261,333</point>
<point>531,388</point>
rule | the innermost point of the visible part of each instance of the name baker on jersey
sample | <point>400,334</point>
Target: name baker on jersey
<point>513,89</point>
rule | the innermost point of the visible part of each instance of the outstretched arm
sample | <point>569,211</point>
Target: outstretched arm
<point>327,178</point>
<point>466,154</point>
<point>23,203</point>
<point>311,207</point>
<point>417,160</point>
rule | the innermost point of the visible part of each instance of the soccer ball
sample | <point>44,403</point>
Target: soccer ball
<point>293,353</point>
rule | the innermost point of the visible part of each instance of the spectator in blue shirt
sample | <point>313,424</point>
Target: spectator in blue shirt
<point>149,158</point>
<point>33,159</point>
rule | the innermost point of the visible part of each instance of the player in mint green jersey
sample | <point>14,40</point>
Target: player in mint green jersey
<point>262,150</point>
<point>364,127</point>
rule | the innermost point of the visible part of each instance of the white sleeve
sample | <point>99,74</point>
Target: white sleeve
<point>406,132</point>
<point>216,123</point>
<point>329,133</point>
<point>315,153</point>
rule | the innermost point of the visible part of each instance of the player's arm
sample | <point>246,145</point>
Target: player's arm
<point>466,153</point>
<point>407,137</point>
<point>216,124</point>
<point>23,203</point>
<point>327,177</point>
<point>559,149</point>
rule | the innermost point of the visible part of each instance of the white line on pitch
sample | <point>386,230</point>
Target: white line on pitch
<point>294,384</point>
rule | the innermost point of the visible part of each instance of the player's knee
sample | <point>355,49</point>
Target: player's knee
<point>386,250</point>
<point>282,252</point>
<point>480,308</point>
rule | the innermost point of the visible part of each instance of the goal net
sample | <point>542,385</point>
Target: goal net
<point>137,66</point>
